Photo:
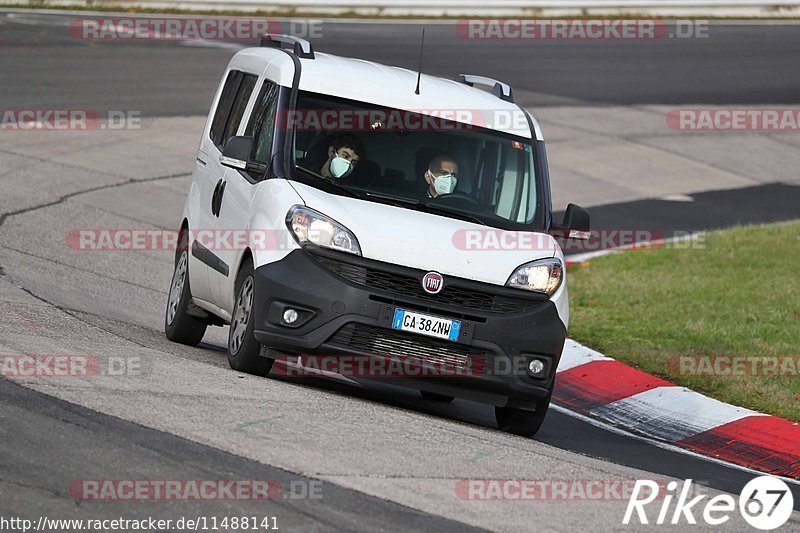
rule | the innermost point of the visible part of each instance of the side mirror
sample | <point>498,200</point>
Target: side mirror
<point>576,222</point>
<point>236,152</point>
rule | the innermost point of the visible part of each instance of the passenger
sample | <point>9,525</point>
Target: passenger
<point>343,155</point>
<point>441,176</point>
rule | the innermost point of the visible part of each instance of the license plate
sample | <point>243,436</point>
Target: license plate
<point>433,326</point>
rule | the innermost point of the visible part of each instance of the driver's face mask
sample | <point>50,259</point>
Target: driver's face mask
<point>340,167</point>
<point>444,184</point>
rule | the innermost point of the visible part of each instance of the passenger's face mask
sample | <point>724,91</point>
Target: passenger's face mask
<point>340,167</point>
<point>444,184</point>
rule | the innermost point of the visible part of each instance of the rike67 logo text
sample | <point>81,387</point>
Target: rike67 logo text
<point>765,503</point>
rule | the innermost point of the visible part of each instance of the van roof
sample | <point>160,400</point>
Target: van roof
<point>393,87</point>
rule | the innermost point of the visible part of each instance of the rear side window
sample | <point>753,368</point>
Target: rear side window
<point>262,122</point>
<point>230,109</point>
<point>239,104</point>
<point>224,106</point>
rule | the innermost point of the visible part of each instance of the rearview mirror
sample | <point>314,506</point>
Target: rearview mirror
<point>236,152</point>
<point>576,222</point>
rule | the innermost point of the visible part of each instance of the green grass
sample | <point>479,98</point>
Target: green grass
<point>737,292</point>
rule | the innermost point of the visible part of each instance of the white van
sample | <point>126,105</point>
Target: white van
<point>343,207</point>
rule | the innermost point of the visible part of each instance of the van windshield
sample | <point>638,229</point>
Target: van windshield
<point>416,160</point>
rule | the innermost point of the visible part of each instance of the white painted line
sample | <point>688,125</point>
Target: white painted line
<point>661,444</point>
<point>677,198</point>
<point>586,256</point>
<point>576,354</point>
<point>670,413</point>
<point>35,20</point>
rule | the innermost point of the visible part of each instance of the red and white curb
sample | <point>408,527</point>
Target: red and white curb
<point>597,386</point>
<point>576,259</point>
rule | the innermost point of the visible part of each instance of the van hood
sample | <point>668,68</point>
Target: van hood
<point>431,242</point>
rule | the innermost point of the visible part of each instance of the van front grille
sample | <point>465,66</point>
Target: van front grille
<point>408,284</point>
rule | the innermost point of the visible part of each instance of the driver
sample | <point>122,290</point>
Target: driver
<point>441,176</point>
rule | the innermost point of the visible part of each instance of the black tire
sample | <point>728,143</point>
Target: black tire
<point>520,421</point>
<point>244,351</point>
<point>179,325</point>
<point>435,397</point>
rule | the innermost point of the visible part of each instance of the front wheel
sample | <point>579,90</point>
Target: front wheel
<point>244,351</point>
<point>179,325</point>
<point>520,421</point>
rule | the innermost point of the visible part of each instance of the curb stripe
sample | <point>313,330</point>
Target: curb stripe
<point>598,383</point>
<point>670,413</point>
<point>575,354</point>
<point>592,384</point>
<point>766,443</point>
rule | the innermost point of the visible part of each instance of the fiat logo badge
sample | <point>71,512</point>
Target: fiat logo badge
<point>432,282</point>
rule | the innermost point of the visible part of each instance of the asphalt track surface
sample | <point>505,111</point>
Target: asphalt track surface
<point>47,442</point>
<point>44,65</point>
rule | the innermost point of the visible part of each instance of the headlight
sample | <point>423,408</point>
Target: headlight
<point>544,275</point>
<point>309,226</point>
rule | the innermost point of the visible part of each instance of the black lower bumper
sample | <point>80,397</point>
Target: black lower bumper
<point>345,306</point>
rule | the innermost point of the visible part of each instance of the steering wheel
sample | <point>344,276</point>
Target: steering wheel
<point>457,197</point>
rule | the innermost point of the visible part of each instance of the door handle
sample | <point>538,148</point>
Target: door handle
<point>219,197</point>
<point>214,198</point>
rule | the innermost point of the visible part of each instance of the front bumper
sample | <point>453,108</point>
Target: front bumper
<point>346,304</point>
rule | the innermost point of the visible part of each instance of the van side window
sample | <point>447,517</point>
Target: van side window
<point>262,122</point>
<point>232,103</point>
<point>239,104</point>
<point>224,106</point>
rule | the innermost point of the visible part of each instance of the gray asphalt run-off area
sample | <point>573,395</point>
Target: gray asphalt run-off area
<point>388,459</point>
<point>109,304</point>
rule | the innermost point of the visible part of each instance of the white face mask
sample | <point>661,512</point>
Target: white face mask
<point>444,184</point>
<point>340,167</point>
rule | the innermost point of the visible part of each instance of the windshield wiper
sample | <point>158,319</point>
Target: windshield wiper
<point>392,200</point>
<point>427,207</point>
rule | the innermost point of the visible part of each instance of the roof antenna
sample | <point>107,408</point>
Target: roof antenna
<point>419,71</point>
